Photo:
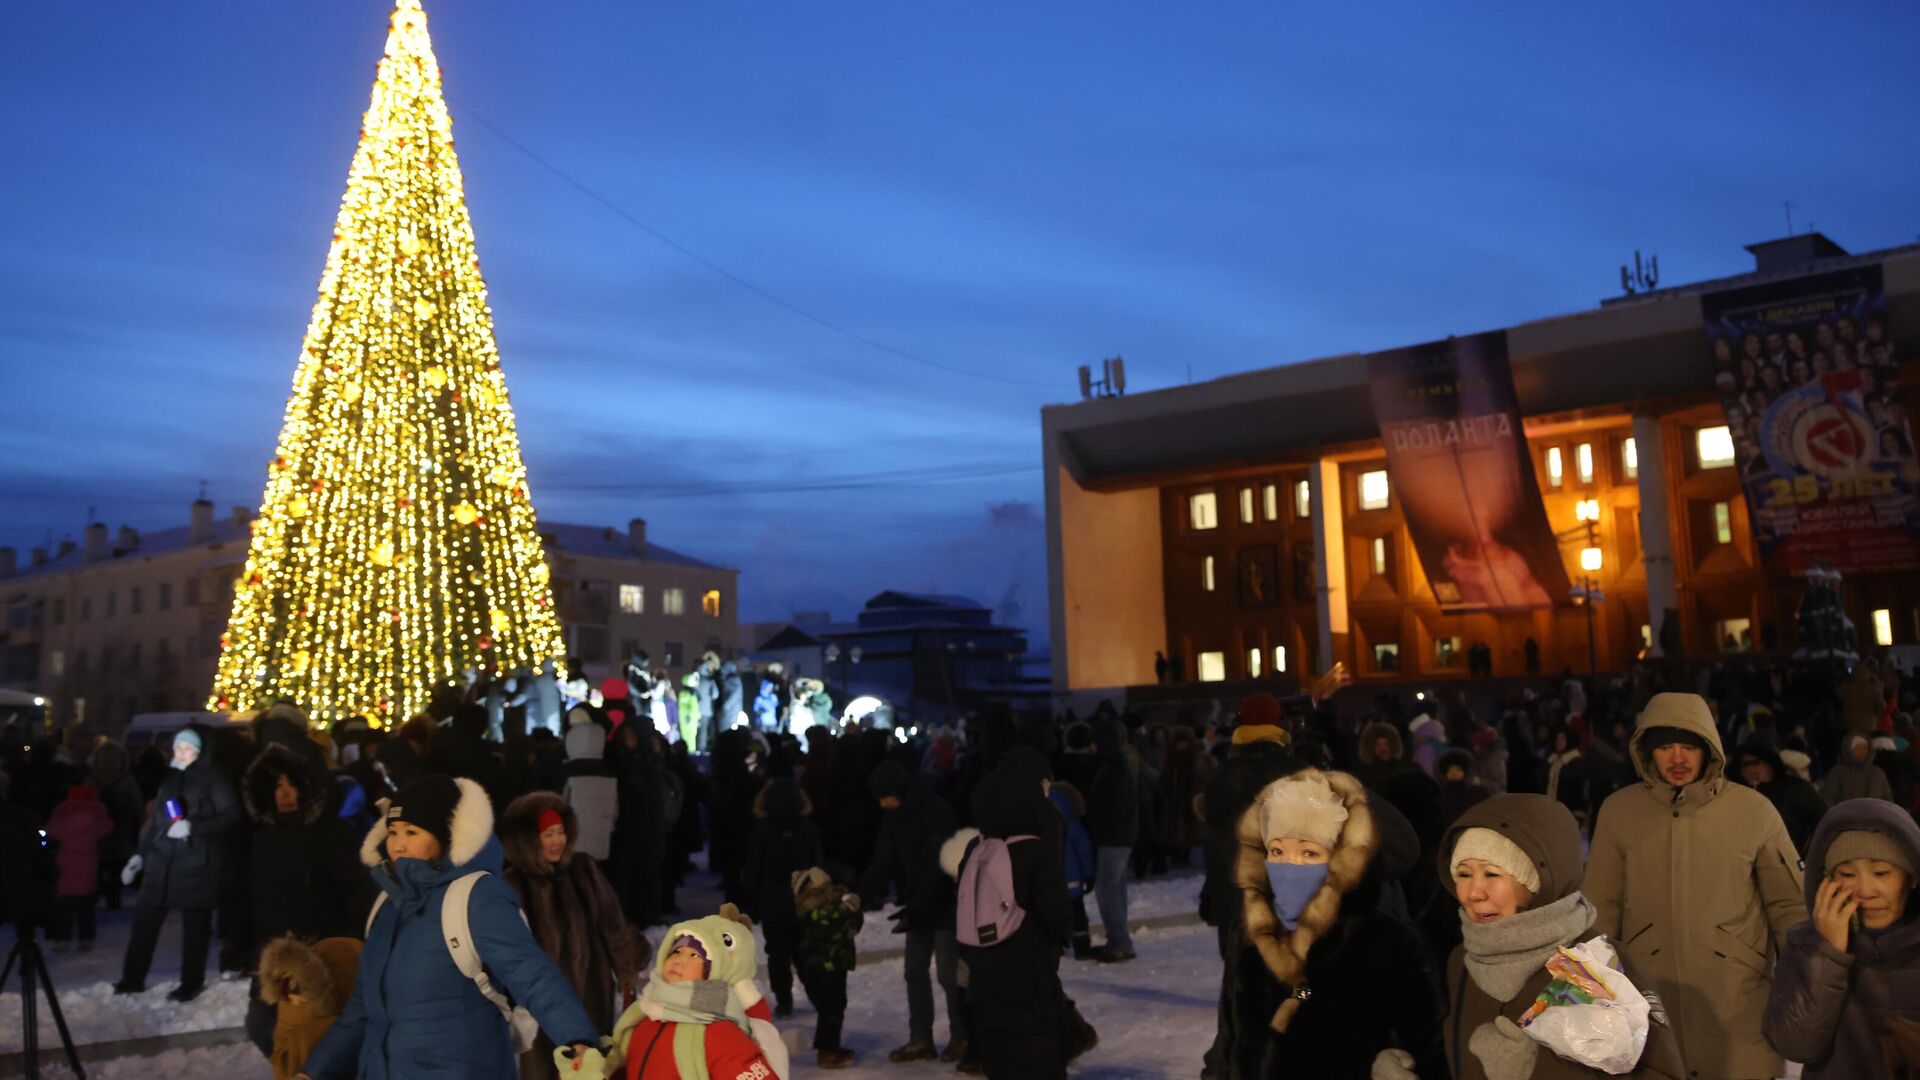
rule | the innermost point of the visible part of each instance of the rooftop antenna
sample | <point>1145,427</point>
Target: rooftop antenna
<point>202,497</point>
<point>1643,277</point>
<point>1111,383</point>
<point>1789,209</point>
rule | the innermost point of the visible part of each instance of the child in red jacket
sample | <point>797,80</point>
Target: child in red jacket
<point>700,1016</point>
<point>79,825</point>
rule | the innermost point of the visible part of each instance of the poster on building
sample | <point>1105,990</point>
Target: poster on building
<point>1457,461</point>
<point>1808,380</point>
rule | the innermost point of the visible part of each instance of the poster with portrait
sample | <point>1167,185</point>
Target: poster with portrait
<point>1808,378</point>
<point>1458,464</point>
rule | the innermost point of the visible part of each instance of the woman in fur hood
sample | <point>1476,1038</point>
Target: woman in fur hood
<point>1323,982</point>
<point>572,911</point>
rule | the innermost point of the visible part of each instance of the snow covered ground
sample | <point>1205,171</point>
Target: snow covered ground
<point>1154,1015</point>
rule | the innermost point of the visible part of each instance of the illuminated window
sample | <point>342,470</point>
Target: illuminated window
<point>1556,469</point>
<point>1883,626</point>
<point>1646,635</point>
<point>1302,499</point>
<point>633,599</point>
<point>1246,506</point>
<point>1734,635</point>
<point>1583,462</point>
<point>1386,656</point>
<point>673,602</point>
<point>1280,659</point>
<point>1206,573</point>
<point>1448,652</point>
<point>1722,523</point>
<point>1630,457</point>
<point>1270,502</point>
<point>1379,556</point>
<point>1203,511</point>
<point>1373,490</point>
<point>1253,663</point>
<point>1213,667</point>
<point>710,602</point>
<point>1714,445</point>
<point>56,663</point>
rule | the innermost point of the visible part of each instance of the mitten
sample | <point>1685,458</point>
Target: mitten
<point>180,830</point>
<point>1393,1065</point>
<point>1505,1052</point>
<point>132,870</point>
<point>575,1064</point>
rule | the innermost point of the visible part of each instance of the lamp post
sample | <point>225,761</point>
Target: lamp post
<point>1586,589</point>
<point>851,656</point>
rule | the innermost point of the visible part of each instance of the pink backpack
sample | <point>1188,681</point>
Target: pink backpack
<point>989,914</point>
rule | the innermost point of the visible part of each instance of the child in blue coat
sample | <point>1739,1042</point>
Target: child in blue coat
<point>1080,864</point>
<point>413,1014</point>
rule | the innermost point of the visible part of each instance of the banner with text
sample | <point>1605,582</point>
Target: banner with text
<point>1459,465</point>
<point>1808,381</point>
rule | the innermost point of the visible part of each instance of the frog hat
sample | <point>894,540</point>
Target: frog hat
<point>726,995</point>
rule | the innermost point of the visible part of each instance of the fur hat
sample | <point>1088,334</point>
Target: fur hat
<point>461,807</point>
<point>1490,847</point>
<point>1304,807</point>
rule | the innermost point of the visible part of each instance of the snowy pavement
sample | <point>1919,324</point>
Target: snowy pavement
<point>1154,1015</point>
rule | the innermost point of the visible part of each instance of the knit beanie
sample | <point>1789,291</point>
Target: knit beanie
<point>888,780</point>
<point>1491,847</point>
<point>1866,844</point>
<point>689,941</point>
<point>1304,808</point>
<point>1655,737</point>
<point>190,737</point>
<point>1259,721</point>
<point>548,819</point>
<point>427,804</point>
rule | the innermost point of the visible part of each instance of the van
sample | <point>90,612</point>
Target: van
<point>158,728</point>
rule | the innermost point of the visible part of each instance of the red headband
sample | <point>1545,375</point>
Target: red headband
<point>548,819</point>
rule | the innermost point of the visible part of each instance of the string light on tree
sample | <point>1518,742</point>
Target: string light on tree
<point>396,544</point>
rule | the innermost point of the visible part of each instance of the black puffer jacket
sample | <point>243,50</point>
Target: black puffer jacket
<point>906,855</point>
<point>784,842</point>
<point>307,876</point>
<point>184,875</point>
<point>1020,1015</point>
<point>1113,805</point>
<point>1798,801</point>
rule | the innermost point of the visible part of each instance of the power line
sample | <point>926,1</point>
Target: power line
<point>637,222</point>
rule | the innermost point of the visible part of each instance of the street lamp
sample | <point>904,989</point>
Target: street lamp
<point>1586,589</point>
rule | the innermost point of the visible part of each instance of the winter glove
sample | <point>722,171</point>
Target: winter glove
<point>1393,1065</point>
<point>180,830</point>
<point>580,1062</point>
<point>904,920</point>
<point>132,870</point>
<point>1505,1052</point>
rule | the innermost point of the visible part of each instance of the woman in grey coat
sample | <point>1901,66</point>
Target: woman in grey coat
<point>1845,990</point>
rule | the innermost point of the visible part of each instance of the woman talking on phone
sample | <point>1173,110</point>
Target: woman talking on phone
<point>1848,982</point>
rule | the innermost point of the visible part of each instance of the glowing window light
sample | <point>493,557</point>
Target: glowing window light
<point>1882,626</point>
<point>1213,667</point>
<point>1374,490</point>
<point>1556,468</point>
<point>1714,446</point>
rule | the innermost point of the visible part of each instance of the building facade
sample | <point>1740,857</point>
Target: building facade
<point>1247,528</point>
<point>128,623</point>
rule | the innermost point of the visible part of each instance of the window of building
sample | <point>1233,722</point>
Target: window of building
<point>56,664</point>
<point>1583,462</point>
<point>633,599</point>
<point>1280,659</point>
<point>1646,636</point>
<point>1734,635</point>
<point>1556,467</point>
<point>1883,626</point>
<point>1386,656</point>
<point>1270,502</point>
<point>79,661</point>
<point>58,616</point>
<point>1714,447</point>
<point>672,654</point>
<point>1630,457</point>
<point>193,592</point>
<point>1253,663</point>
<point>1722,523</point>
<point>166,595</point>
<point>1448,652</point>
<point>1302,500</point>
<point>190,647</point>
<point>710,603</point>
<point>133,600</point>
<point>163,652</point>
<point>113,602</point>
<point>1213,667</point>
<point>1246,506</point>
<point>1206,573</point>
<point>1374,492</point>
<point>86,608</point>
<point>1379,556</point>
<point>1203,511</point>
<point>673,601</point>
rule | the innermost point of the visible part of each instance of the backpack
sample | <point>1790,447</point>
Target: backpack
<point>521,1026</point>
<point>989,914</point>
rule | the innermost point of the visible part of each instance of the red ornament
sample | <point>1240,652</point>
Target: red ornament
<point>455,396</point>
<point>223,641</point>
<point>224,701</point>
<point>253,579</point>
<point>319,485</point>
<point>393,616</point>
<point>485,642</point>
<point>403,503</point>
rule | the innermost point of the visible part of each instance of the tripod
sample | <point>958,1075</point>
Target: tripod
<point>33,976</point>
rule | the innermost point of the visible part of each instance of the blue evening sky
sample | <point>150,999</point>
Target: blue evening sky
<point>1005,189</point>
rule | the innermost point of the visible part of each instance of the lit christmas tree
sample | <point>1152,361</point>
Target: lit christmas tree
<point>396,544</point>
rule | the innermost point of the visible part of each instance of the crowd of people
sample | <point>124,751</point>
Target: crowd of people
<point>1387,877</point>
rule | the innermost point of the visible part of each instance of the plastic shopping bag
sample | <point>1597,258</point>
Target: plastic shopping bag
<point>1590,1013</point>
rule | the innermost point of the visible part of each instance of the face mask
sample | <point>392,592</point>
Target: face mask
<point>1294,885</point>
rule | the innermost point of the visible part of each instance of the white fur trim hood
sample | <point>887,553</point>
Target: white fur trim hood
<point>471,827</point>
<point>955,849</point>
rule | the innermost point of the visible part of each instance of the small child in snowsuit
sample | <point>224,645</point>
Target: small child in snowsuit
<point>700,1014</point>
<point>829,921</point>
<point>308,985</point>
<point>1079,860</point>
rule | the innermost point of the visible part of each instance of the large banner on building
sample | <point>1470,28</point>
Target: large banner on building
<point>1807,378</point>
<point>1459,466</point>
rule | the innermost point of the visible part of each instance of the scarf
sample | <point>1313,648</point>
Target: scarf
<point>1502,956</point>
<point>691,1006</point>
<point>1294,885</point>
